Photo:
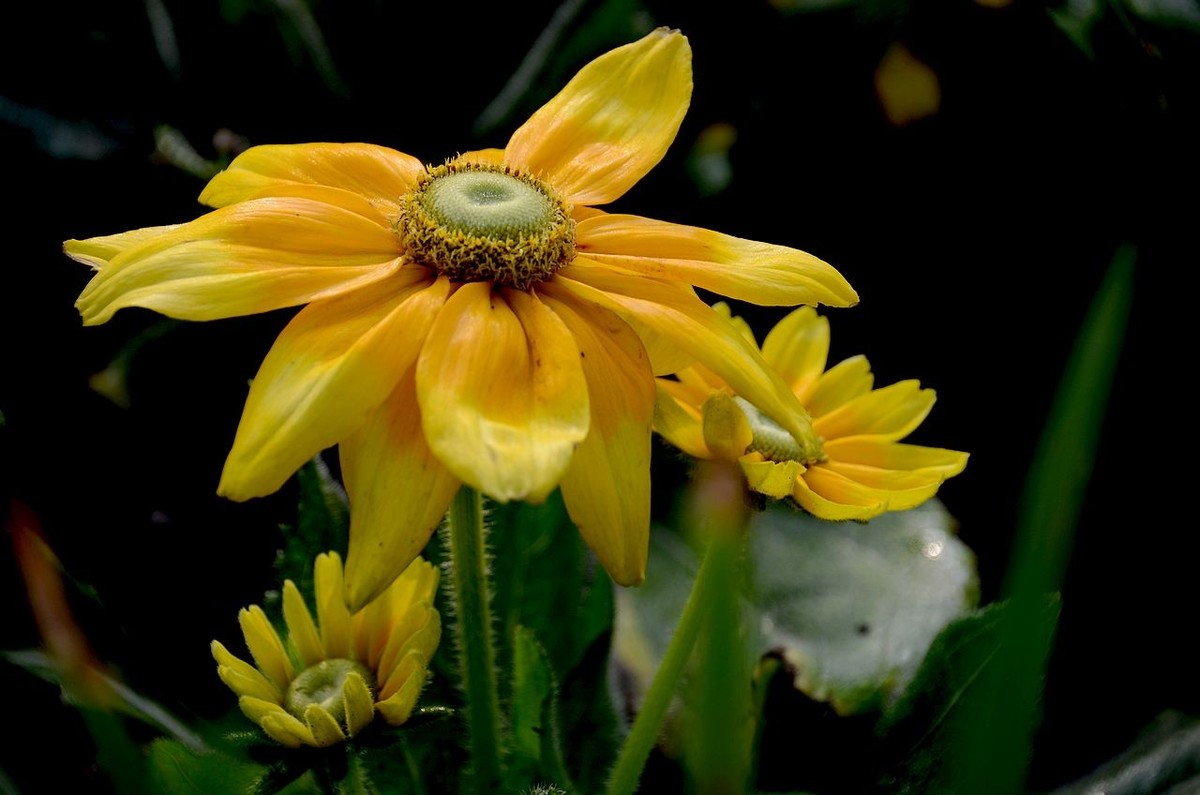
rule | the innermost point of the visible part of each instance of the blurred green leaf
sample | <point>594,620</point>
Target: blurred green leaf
<point>322,524</point>
<point>176,769</point>
<point>1167,13</point>
<point>1165,759</point>
<point>535,739</point>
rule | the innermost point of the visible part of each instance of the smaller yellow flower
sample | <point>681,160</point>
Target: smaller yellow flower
<point>324,685</point>
<point>852,466</point>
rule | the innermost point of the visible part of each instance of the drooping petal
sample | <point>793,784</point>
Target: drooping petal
<point>687,323</point>
<point>398,493</point>
<point>332,615</point>
<point>301,630</point>
<point>747,270</point>
<point>891,412</point>
<point>894,455</point>
<point>96,252</point>
<point>829,496</point>
<point>612,123</point>
<point>607,486</point>
<point>839,385</point>
<point>265,646</point>
<point>797,348</point>
<point>503,398</point>
<point>335,361</point>
<point>376,173</point>
<point>252,257</point>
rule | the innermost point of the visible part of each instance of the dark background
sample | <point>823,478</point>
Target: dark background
<point>975,237</point>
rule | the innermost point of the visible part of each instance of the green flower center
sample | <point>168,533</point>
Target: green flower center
<point>774,442</point>
<point>480,223</point>
<point>322,684</point>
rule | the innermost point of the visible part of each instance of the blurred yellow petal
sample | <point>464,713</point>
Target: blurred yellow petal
<point>776,479</point>
<point>265,646</point>
<point>334,363</point>
<point>891,412</point>
<point>332,615</point>
<point>747,270</point>
<point>398,493</point>
<point>607,486</point>
<point>726,430</point>
<point>251,257</point>
<point>301,629</point>
<point>612,123</point>
<point>502,394</point>
<point>798,349</point>
<point>907,88</point>
<point>679,423</point>
<point>376,173</point>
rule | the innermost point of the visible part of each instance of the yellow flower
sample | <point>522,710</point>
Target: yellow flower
<point>327,681</point>
<point>476,322</point>
<point>852,466</point>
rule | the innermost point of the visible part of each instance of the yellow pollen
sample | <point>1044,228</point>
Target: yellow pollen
<point>474,222</point>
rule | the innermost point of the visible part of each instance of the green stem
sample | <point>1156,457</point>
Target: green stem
<point>644,733</point>
<point>473,630</point>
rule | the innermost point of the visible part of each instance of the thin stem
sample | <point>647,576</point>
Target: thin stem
<point>473,630</point>
<point>644,733</point>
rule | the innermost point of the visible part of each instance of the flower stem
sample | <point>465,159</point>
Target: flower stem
<point>473,630</point>
<point>642,736</point>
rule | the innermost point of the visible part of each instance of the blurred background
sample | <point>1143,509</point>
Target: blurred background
<point>971,166</point>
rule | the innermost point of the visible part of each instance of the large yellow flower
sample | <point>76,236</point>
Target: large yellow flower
<point>476,322</point>
<point>851,466</point>
<point>326,680</point>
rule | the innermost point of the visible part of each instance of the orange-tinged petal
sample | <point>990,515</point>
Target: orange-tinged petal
<point>689,324</point>
<point>376,173</point>
<point>607,486</point>
<point>332,615</point>
<point>678,421</point>
<point>252,257</point>
<point>891,412</point>
<point>96,252</point>
<point>502,394</point>
<point>747,270</point>
<point>894,455</point>
<point>488,157</point>
<point>839,385</point>
<point>829,496</point>
<point>335,361</point>
<point>265,646</point>
<point>302,632</point>
<point>798,349</point>
<point>398,493</point>
<point>612,123</point>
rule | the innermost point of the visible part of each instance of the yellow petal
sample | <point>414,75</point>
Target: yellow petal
<point>301,630</point>
<point>96,252</point>
<point>256,708</point>
<point>287,729</point>
<point>839,385</point>
<point>894,455</point>
<point>405,688</point>
<point>891,412</point>
<point>828,496</point>
<point>265,646</point>
<point>252,257</point>
<point>682,320</point>
<point>899,490</point>
<point>332,615</point>
<point>502,393</point>
<point>607,486</point>
<point>726,430</point>
<point>357,703</point>
<point>747,270</point>
<point>242,677</point>
<point>679,423</point>
<point>335,361</point>
<point>325,729</point>
<point>612,123</point>
<point>488,157</point>
<point>420,630</point>
<point>398,493</point>
<point>797,348</point>
<point>376,173</point>
<point>775,479</point>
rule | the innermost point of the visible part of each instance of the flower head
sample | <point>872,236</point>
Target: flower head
<point>476,322</point>
<point>326,680</point>
<point>852,465</point>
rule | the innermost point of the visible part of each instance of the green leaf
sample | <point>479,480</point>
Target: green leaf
<point>322,524</point>
<point>535,736</point>
<point>172,767</point>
